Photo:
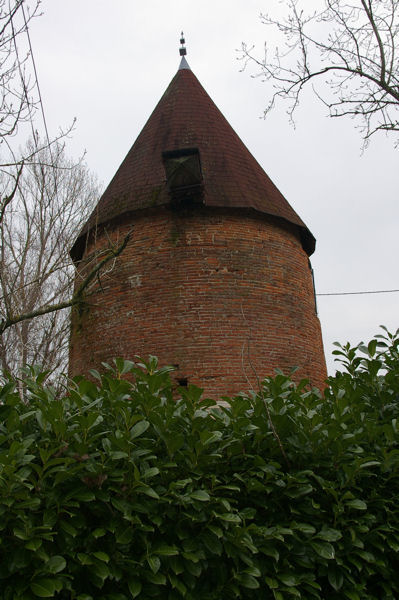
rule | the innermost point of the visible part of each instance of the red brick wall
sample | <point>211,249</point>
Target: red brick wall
<point>193,287</point>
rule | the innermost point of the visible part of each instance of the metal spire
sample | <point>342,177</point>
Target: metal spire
<point>182,50</point>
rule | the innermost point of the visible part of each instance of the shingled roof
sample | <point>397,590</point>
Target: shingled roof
<point>184,118</point>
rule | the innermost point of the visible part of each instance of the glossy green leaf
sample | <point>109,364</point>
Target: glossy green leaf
<point>287,579</point>
<point>229,517</point>
<point>84,559</point>
<point>324,549</point>
<point>124,536</point>
<point>209,437</point>
<point>154,563</point>
<point>45,588</point>
<point>248,581</point>
<point>138,429</point>
<point>335,577</point>
<point>164,550</point>
<point>56,564</point>
<point>201,495</point>
<point>33,544</point>
<point>156,578</point>
<point>148,491</point>
<point>118,455</point>
<point>272,583</point>
<point>329,534</point>
<point>101,556</point>
<point>135,587</point>
<point>305,528</point>
<point>357,504</point>
<point>151,472</point>
<point>99,532</point>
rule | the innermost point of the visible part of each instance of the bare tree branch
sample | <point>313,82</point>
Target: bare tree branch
<point>20,96</point>
<point>76,298</point>
<point>347,49</point>
<point>6,201</point>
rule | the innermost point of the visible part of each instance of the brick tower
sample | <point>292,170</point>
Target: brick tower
<point>216,278</point>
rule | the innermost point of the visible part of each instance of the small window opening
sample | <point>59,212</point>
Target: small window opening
<point>183,175</point>
<point>182,381</point>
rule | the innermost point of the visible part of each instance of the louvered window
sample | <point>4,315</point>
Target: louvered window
<point>183,174</point>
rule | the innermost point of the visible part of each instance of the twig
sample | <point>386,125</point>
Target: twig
<point>8,198</point>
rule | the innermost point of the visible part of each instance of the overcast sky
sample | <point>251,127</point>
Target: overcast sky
<point>108,63</point>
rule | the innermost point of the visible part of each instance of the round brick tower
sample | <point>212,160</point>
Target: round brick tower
<point>215,278</point>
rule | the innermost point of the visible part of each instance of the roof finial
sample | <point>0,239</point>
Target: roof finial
<point>182,50</point>
<point>183,63</point>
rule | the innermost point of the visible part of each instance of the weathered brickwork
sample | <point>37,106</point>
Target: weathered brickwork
<point>220,293</point>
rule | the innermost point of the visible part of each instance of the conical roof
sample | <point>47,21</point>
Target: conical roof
<point>187,118</point>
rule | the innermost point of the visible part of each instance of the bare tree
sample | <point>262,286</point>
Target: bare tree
<point>52,202</point>
<point>18,102</point>
<point>44,201</point>
<point>20,98</point>
<point>347,49</point>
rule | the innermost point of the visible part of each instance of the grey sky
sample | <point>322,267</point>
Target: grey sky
<point>108,63</point>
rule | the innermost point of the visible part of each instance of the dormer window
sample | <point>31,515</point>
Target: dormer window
<point>183,174</point>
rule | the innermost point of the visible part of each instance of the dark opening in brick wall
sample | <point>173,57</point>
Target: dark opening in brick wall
<point>183,174</point>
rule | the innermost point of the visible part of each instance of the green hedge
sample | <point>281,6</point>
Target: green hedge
<point>120,490</point>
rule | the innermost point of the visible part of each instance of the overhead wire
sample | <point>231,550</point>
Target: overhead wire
<point>21,74</point>
<point>36,79</point>
<point>357,293</point>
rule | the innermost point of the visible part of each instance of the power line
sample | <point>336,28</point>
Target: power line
<point>358,293</point>
<point>36,78</point>
<point>21,75</point>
